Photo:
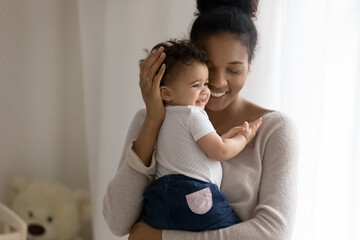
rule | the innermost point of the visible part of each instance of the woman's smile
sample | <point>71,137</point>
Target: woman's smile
<point>217,94</point>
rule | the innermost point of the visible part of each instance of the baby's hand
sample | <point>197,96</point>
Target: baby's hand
<point>233,132</point>
<point>250,129</point>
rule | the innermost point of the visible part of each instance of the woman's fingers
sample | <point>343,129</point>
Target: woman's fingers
<point>150,65</point>
<point>154,69</point>
<point>159,75</point>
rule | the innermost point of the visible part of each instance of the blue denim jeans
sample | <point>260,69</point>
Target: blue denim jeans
<point>178,202</point>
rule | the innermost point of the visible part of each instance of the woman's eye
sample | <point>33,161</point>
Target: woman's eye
<point>234,71</point>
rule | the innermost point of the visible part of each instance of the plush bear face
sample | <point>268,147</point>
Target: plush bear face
<point>51,211</point>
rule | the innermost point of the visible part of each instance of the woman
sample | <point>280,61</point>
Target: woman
<point>259,183</point>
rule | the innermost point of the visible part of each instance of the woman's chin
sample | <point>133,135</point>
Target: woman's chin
<point>215,105</point>
<point>219,103</point>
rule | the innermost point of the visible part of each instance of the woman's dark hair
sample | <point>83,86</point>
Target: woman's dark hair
<point>226,16</point>
<point>179,51</point>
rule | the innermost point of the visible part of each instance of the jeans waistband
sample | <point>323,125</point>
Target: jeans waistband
<point>174,178</point>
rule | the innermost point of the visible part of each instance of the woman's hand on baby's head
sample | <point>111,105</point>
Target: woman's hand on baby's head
<point>150,77</point>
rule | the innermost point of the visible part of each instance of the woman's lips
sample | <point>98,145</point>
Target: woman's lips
<point>217,94</point>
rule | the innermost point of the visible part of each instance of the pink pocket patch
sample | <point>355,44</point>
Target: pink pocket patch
<point>200,202</point>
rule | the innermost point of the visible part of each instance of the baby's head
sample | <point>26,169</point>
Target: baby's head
<point>186,76</point>
<point>179,53</point>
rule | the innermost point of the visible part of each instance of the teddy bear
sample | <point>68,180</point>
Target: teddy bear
<point>51,211</point>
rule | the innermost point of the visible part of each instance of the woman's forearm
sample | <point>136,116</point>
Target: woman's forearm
<point>143,146</point>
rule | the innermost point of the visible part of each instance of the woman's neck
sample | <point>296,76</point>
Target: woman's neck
<point>228,117</point>
<point>239,111</point>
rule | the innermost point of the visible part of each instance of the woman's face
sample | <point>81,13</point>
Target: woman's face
<point>228,68</point>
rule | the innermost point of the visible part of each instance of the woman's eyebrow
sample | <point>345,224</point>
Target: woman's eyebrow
<point>236,62</point>
<point>233,62</point>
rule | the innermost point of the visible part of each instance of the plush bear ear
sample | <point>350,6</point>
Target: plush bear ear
<point>83,200</point>
<point>18,184</point>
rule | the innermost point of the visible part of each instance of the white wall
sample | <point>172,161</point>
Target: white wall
<point>42,132</point>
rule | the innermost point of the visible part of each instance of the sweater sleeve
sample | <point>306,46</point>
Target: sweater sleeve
<point>273,217</point>
<point>123,201</point>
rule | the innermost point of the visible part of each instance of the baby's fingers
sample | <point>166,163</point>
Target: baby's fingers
<point>245,125</point>
<point>233,132</point>
<point>256,124</point>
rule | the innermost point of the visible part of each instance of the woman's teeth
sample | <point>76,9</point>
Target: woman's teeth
<point>213,94</point>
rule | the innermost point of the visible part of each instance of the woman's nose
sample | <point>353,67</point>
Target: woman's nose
<point>217,79</point>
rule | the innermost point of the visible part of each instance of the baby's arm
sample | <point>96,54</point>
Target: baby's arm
<point>229,144</point>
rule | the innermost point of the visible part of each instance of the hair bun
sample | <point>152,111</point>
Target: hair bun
<point>248,7</point>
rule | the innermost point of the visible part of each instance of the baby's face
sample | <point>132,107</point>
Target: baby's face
<point>191,86</point>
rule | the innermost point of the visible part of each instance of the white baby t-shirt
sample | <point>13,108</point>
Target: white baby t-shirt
<point>177,151</point>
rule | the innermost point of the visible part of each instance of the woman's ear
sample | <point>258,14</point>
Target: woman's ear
<point>165,93</point>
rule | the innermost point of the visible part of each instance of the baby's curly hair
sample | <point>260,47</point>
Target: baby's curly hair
<point>179,51</point>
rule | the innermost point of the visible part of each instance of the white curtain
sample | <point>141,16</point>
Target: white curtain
<point>306,65</point>
<point>113,36</point>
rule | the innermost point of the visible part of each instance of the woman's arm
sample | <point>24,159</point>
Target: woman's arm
<point>123,201</point>
<point>150,78</point>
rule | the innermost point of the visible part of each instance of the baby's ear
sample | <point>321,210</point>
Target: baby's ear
<point>165,93</point>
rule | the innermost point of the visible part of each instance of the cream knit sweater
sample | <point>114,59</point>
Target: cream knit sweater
<point>259,183</point>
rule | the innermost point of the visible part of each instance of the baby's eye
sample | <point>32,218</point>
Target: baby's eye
<point>195,85</point>
<point>206,84</point>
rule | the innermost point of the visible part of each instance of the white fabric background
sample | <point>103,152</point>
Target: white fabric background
<point>69,88</point>
<point>114,35</point>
